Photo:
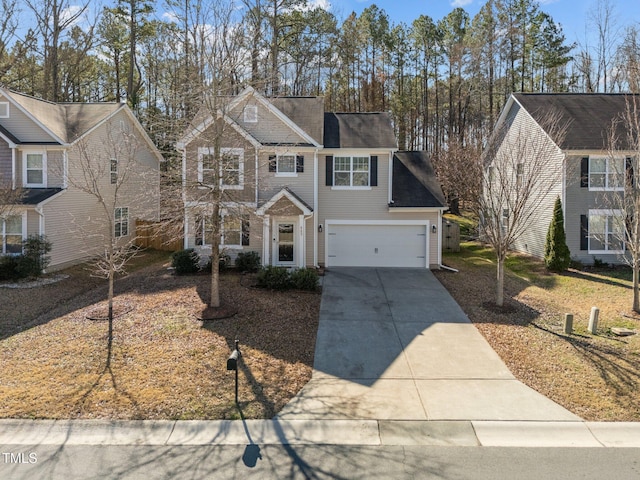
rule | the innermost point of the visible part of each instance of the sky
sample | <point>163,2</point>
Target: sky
<point>571,14</point>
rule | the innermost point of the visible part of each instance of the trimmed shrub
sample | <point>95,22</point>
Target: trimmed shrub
<point>224,263</point>
<point>185,262</point>
<point>275,278</point>
<point>248,261</point>
<point>556,253</point>
<point>305,279</point>
<point>34,260</point>
<point>9,267</point>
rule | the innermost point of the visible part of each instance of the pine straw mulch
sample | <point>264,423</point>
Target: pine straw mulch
<point>163,362</point>
<point>594,376</point>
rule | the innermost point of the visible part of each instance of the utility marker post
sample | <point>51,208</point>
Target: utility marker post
<point>593,320</point>
<point>232,364</point>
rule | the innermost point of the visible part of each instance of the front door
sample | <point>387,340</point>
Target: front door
<point>284,245</point>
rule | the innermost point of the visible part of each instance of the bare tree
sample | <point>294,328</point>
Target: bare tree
<point>113,182</point>
<point>522,170</point>
<point>624,204</point>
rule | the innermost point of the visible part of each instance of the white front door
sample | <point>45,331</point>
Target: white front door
<point>284,244</point>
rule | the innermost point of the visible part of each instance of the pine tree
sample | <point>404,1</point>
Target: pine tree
<point>556,253</point>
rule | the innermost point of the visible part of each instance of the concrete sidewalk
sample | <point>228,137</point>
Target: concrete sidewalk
<point>319,432</point>
<point>393,345</point>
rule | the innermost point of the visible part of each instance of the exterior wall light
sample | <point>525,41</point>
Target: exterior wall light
<point>320,228</point>
<point>434,229</point>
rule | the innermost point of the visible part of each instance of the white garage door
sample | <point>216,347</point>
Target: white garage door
<point>377,245</point>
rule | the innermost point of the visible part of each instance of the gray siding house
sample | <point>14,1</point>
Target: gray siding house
<point>47,148</point>
<point>307,188</point>
<point>585,173</point>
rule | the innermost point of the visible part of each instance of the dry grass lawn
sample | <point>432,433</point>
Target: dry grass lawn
<point>594,376</point>
<point>165,363</point>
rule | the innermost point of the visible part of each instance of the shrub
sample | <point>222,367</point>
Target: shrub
<point>248,261</point>
<point>185,262</point>
<point>224,263</point>
<point>34,260</point>
<point>275,278</point>
<point>9,267</point>
<point>305,279</point>
<point>556,253</point>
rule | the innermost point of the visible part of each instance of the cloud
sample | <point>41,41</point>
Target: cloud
<point>461,3</point>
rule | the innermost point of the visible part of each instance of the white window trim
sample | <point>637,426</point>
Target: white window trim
<point>115,221</point>
<point>202,219</point>
<point>5,110</point>
<point>603,213</point>
<point>250,114</point>
<point>44,168</point>
<point>201,152</point>
<point>607,173</point>
<point>3,232</point>
<point>240,153</point>
<point>350,187</point>
<point>223,231</point>
<point>295,166</point>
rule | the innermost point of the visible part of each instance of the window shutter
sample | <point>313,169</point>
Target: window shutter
<point>584,232</point>
<point>299,164</point>
<point>329,171</point>
<point>373,181</point>
<point>245,231</point>
<point>629,172</point>
<point>584,172</point>
<point>272,163</point>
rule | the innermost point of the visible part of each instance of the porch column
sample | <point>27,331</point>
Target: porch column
<point>301,242</point>
<point>266,241</point>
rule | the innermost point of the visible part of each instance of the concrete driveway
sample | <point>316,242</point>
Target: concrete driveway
<point>393,345</point>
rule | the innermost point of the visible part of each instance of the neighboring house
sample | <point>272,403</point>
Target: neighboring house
<point>41,145</point>
<point>307,188</point>
<point>585,173</point>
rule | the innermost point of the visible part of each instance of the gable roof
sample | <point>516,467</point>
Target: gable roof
<point>359,130</point>
<point>588,116</point>
<point>414,181</point>
<point>306,112</point>
<point>65,122</point>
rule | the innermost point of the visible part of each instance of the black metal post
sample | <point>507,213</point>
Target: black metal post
<point>237,373</point>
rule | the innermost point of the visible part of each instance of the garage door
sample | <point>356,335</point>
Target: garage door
<point>377,245</point>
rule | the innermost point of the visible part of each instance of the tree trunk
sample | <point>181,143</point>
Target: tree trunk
<point>500,283</point>
<point>636,296</point>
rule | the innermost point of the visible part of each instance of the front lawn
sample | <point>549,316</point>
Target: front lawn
<point>594,376</point>
<point>164,362</point>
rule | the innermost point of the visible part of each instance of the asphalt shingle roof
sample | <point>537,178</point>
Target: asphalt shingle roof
<point>588,116</point>
<point>414,181</point>
<point>359,130</point>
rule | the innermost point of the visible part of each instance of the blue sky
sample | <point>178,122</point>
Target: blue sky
<point>572,14</point>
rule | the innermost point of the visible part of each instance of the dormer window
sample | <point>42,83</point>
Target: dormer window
<point>4,109</point>
<point>251,113</point>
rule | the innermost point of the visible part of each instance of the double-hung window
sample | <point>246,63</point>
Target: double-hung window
<point>606,231</point>
<point>232,167</point>
<point>351,171</point>
<point>121,222</point>
<point>606,173</point>
<point>113,170</point>
<point>204,230</point>
<point>206,165</point>
<point>235,230</point>
<point>35,165</point>
<point>11,230</point>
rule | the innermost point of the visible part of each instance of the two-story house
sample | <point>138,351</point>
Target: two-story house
<point>305,188</point>
<point>584,170</point>
<point>49,151</point>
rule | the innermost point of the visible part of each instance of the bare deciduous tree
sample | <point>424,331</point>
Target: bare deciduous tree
<point>522,169</point>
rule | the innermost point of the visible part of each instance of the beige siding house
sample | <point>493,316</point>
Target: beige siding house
<point>46,151</point>
<point>306,188</point>
<point>584,171</point>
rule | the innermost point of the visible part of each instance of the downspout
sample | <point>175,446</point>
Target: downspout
<point>315,208</point>
<point>13,168</point>
<point>65,169</point>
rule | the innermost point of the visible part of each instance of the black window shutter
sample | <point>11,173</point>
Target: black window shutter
<point>245,231</point>
<point>373,181</point>
<point>299,164</point>
<point>629,172</point>
<point>329,171</point>
<point>272,163</point>
<point>584,232</point>
<point>584,172</point>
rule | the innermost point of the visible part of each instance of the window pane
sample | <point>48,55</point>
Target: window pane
<point>232,178</point>
<point>13,225</point>
<point>208,161</point>
<point>342,164</point>
<point>14,244</point>
<point>597,165</point>
<point>287,164</point>
<point>360,164</point>
<point>34,176</point>
<point>597,224</point>
<point>342,179</point>
<point>34,160</point>
<point>361,179</point>
<point>597,180</point>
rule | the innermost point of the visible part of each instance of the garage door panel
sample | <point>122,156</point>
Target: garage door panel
<point>377,245</point>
